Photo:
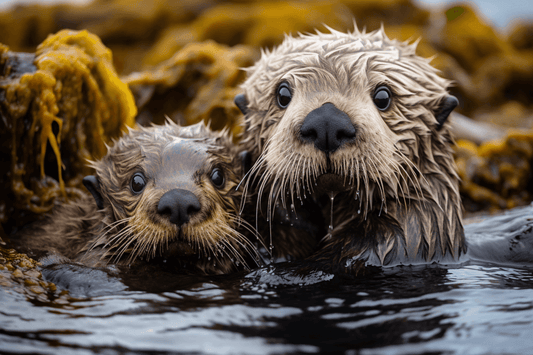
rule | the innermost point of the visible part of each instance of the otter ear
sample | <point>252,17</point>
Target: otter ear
<point>448,104</point>
<point>92,184</point>
<point>242,103</point>
<point>246,161</point>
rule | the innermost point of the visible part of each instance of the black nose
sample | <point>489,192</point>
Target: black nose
<point>328,128</point>
<point>178,205</point>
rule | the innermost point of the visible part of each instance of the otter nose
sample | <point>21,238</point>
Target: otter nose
<point>178,205</point>
<point>327,128</point>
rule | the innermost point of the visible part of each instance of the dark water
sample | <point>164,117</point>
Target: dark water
<point>475,308</point>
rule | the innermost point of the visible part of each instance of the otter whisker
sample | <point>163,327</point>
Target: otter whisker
<point>101,239</point>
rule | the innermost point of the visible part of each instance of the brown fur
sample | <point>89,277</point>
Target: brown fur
<point>129,229</point>
<point>397,198</point>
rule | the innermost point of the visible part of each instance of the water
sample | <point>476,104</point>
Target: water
<point>473,308</point>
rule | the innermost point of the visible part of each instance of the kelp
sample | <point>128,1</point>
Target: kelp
<point>58,108</point>
<point>199,83</point>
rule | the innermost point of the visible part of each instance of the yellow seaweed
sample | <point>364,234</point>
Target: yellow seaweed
<point>497,174</point>
<point>198,83</point>
<point>66,96</point>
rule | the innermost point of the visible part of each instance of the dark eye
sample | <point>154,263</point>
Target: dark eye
<point>217,177</point>
<point>138,183</point>
<point>382,98</point>
<point>284,95</point>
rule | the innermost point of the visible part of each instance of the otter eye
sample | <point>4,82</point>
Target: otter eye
<point>138,183</point>
<point>217,177</point>
<point>284,95</point>
<point>382,98</point>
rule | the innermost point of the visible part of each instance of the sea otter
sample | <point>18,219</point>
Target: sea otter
<point>357,123</point>
<point>164,193</point>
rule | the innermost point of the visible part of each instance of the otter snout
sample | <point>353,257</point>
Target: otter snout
<point>328,128</point>
<point>178,206</point>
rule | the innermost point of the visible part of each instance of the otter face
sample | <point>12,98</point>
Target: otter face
<point>355,113</point>
<point>170,192</point>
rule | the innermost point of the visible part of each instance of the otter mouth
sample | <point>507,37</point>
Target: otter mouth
<point>180,247</point>
<point>330,182</point>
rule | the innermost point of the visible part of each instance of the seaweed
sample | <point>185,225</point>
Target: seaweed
<point>199,83</point>
<point>58,108</point>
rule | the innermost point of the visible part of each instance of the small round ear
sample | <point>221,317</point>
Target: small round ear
<point>92,184</point>
<point>246,161</point>
<point>242,103</point>
<point>448,104</point>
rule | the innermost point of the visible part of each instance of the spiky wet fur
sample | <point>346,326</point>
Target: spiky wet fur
<point>402,203</point>
<point>129,229</point>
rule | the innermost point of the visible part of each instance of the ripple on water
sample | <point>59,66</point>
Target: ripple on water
<point>476,308</point>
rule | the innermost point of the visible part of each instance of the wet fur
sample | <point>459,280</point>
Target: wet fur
<point>400,201</point>
<point>129,230</point>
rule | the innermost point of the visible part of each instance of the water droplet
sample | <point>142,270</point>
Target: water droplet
<point>209,258</point>
<point>332,198</point>
<point>359,211</point>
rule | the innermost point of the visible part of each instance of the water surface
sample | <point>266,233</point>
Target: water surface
<point>473,308</point>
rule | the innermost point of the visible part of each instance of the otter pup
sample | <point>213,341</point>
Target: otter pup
<point>356,122</point>
<point>163,193</point>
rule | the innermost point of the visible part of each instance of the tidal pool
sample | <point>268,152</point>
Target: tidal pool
<point>473,308</point>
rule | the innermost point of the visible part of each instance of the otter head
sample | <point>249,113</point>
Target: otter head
<point>356,113</point>
<point>170,192</point>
